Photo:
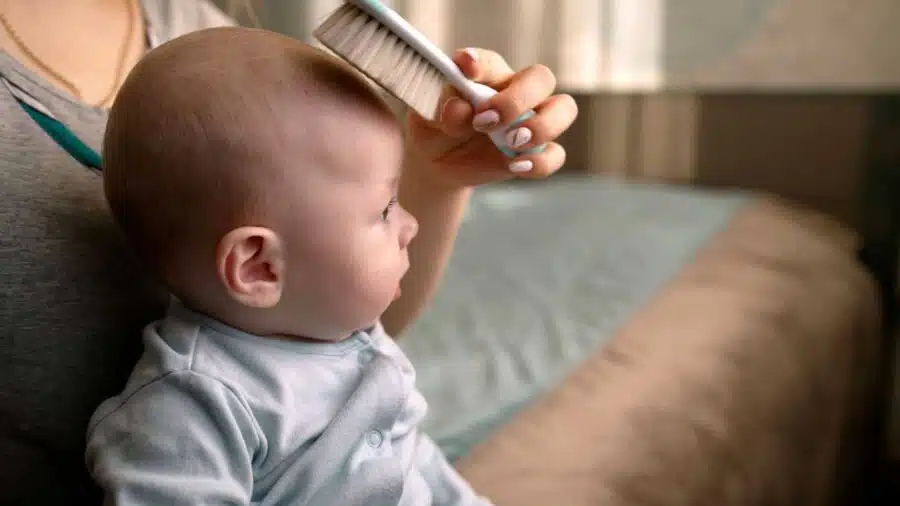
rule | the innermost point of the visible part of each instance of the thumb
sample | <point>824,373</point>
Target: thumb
<point>482,65</point>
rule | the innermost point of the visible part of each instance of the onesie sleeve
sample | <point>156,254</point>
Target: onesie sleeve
<point>184,438</point>
<point>448,487</point>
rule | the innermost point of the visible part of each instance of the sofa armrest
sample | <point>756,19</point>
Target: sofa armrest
<point>742,383</point>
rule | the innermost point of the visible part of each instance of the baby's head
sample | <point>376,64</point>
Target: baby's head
<point>258,176</point>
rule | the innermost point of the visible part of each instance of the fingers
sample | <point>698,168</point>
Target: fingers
<point>552,118</point>
<point>525,91</point>
<point>539,165</point>
<point>529,89</point>
<point>455,117</point>
<point>482,65</point>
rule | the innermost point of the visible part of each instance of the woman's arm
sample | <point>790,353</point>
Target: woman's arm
<point>439,210</point>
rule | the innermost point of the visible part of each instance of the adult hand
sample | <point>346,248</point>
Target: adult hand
<point>454,149</point>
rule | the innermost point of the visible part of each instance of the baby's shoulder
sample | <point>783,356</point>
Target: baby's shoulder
<point>166,372</point>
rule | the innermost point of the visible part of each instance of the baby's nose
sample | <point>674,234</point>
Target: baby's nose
<point>409,227</point>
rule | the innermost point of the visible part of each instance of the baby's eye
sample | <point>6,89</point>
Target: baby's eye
<point>385,214</point>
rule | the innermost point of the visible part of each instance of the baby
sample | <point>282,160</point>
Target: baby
<point>258,176</point>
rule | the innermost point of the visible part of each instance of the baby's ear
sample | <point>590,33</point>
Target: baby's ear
<point>250,263</point>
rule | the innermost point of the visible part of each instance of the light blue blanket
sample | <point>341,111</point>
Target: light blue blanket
<point>543,274</point>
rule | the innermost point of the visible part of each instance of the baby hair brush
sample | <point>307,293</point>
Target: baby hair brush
<point>386,48</point>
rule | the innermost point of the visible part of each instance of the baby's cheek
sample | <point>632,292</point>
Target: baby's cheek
<point>363,277</point>
<point>362,282</point>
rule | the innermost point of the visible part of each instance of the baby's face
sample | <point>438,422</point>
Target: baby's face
<point>347,243</point>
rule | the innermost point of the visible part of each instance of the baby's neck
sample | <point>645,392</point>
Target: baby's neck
<point>269,324</point>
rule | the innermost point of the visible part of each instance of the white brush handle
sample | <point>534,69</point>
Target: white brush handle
<point>475,93</point>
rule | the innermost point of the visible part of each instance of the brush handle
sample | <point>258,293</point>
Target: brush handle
<point>476,93</point>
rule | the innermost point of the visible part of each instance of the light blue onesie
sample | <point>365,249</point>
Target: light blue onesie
<point>212,415</point>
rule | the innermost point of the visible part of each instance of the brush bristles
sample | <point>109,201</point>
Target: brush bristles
<point>382,56</point>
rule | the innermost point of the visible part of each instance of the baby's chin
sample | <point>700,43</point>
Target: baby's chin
<point>384,307</point>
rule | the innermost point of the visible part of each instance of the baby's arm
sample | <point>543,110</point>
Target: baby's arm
<point>185,438</point>
<point>448,488</point>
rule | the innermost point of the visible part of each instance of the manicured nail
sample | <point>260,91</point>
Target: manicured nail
<point>521,166</point>
<point>485,120</point>
<point>518,137</point>
<point>473,54</point>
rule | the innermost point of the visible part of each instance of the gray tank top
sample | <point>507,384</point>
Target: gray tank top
<point>72,297</point>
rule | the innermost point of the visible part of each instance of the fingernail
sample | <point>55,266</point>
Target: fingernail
<point>486,120</point>
<point>473,54</point>
<point>521,166</point>
<point>445,107</point>
<point>518,137</point>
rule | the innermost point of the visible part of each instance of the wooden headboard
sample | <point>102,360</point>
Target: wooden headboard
<point>806,147</point>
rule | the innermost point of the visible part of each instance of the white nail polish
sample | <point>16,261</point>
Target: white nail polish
<point>486,119</point>
<point>521,166</point>
<point>518,137</point>
<point>472,53</point>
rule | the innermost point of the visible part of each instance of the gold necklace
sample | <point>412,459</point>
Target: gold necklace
<point>120,65</point>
